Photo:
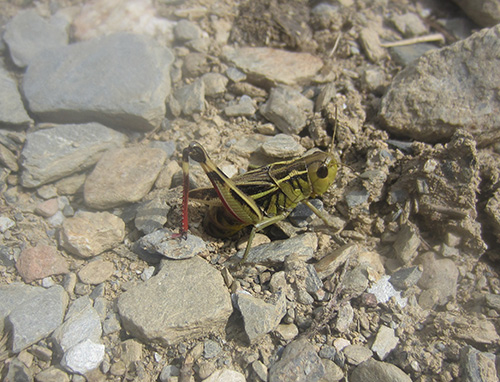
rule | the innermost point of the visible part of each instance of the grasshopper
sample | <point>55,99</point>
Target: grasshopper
<point>258,198</point>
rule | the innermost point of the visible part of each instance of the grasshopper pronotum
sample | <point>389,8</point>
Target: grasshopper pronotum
<point>260,197</point>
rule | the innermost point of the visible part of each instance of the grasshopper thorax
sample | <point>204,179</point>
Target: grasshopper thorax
<point>322,169</point>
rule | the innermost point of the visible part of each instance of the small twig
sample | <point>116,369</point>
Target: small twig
<point>415,40</point>
<point>336,45</point>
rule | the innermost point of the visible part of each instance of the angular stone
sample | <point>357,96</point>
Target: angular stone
<point>36,317</point>
<point>28,34</point>
<point>14,295</point>
<point>67,85</point>
<point>191,97</point>
<point>299,362</point>
<point>12,110</point>
<point>83,357</point>
<point>466,94</point>
<point>287,109</point>
<point>52,374</point>
<point>273,66</point>
<point>123,176</point>
<point>303,245</point>
<point>259,316</point>
<point>79,325</point>
<point>406,244</point>
<point>88,234</point>
<point>226,375</point>
<point>385,342</point>
<point>439,274</point>
<point>186,299</point>
<point>355,354</point>
<point>53,153</point>
<point>39,262</point>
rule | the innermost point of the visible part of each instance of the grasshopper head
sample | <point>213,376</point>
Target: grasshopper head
<point>322,169</point>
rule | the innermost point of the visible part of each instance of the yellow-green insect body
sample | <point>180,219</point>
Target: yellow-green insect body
<point>260,197</point>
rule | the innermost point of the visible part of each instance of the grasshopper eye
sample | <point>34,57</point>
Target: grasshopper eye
<point>322,172</point>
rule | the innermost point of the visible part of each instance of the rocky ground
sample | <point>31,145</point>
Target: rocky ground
<point>97,101</point>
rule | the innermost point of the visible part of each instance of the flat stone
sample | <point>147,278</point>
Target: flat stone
<point>385,342</point>
<point>131,351</point>
<point>438,78</point>
<point>27,34</point>
<point>52,374</point>
<point>12,111</point>
<point>259,317</point>
<point>151,215</point>
<point>282,146</point>
<point>83,357</point>
<point>186,30</point>
<point>163,242</point>
<point>274,66</point>
<point>245,108</point>
<point>288,109</point>
<point>406,244</point>
<point>355,354</point>
<point>36,317</point>
<point>406,277</point>
<point>39,262</point>
<point>371,45</point>
<point>78,326</point>
<point>96,272</point>
<point>287,332</point>
<point>14,295</point>
<point>66,84</point>
<point>299,362</point>
<point>88,234</point>
<point>439,274</point>
<point>191,97</point>
<point>303,245</point>
<point>376,371</point>
<point>215,84</point>
<point>186,299</point>
<point>123,176</point>
<point>55,152</point>
<point>484,12</point>
<point>226,375</point>
<point>18,372</point>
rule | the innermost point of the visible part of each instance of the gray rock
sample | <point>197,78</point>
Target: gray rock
<point>376,371</point>
<point>333,373</point>
<point>81,323</point>
<point>273,66</point>
<point>385,342</point>
<point>92,81</point>
<point>370,42</point>
<point>259,317</point>
<point>439,274</point>
<point>6,223</point>
<point>215,83</point>
<point>345,317</point>
<point>111,324</point>
<point>477,366</point>
<point>185,300</point>
<point>53,153</point>
<point>28,34</point>
<point>303,245</point>
<point>88,234</point>
<point>83,357</point>
<point>151,215</point>
<point>18,372</point>
<point>186,30</point>
<point>483,12</point>
<point>211,349</point>
<point>302,215</point>
<point>406,277</point>
<point>12,110</point>
<point>404,55</point>
<point>409,24</point>
<point>299,362</point>
<point>235,75</point>
<point>355,281</point>
<point>245,108</point>
<point>167,372</point>
<point>465,93</point>
<point>163,242</point>
<point>406,244</point>
<point>357,197</point>
<point>287,109</point>
<point>191,97</point>
<point>356,354</point>
<point>282,146</point>
<point>36,317</point>
<point>123,176</point>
